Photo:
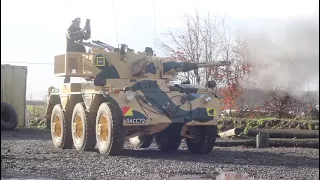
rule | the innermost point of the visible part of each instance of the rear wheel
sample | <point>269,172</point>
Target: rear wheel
<point>61,128</point>
<point>204,140</point>
<point>166,143</point>
<point>109,130</point>
<point>83,128</point>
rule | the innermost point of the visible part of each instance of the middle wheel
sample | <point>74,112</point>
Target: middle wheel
<point>83,128</point>
<point>166,143</point>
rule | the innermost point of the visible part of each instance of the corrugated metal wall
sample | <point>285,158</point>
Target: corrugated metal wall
<point>13,89</point>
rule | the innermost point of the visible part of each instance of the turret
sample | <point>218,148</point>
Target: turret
<point>107,62</point>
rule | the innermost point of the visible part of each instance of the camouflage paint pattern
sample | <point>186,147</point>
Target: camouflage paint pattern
<point>156,104</point>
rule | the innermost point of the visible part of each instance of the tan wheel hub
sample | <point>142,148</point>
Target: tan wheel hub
<point>103,129</point>
<point>77,127</point>
<point>56,127</point>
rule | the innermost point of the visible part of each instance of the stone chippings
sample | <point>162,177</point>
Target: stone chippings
<point>29,154</point>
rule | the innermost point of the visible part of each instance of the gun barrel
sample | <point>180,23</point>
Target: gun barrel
<point>174,66</point>
<point>214,63</point>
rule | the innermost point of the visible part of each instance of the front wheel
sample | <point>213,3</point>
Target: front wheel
<point>204,140</point>
<point>109,130</point>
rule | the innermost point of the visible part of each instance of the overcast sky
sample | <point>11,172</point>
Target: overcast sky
<point>34,30</point>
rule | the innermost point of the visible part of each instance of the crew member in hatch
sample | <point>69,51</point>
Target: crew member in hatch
<point>75,35</point>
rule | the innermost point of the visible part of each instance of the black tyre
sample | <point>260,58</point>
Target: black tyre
<point>9,117</point>
<point>203,143</point>
<point>147,141</point>
<point>166,143</point>
<point>109,130</point>
<point>61,128</point>
<point>83,128</point>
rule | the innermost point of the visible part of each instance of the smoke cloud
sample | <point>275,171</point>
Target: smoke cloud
<point>285,54</point>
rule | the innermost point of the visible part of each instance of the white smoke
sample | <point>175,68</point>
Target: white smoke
<point>286,54</point>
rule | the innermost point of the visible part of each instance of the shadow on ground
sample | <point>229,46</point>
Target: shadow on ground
<point>25,134</point>
<point>234,157</point>
<point>237,156</point>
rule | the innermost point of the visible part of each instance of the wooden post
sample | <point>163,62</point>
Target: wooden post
<point>230,133</point>
<point>262,140</point>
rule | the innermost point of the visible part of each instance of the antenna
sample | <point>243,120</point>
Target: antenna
<point>154,25</point>
<point>115,22</point>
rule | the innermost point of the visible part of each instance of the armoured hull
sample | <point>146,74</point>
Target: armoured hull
<point>128,94</point>
<point>148,102</point>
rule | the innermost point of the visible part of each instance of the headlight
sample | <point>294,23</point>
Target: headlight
<point>207,97</point>
<point>130,95</point>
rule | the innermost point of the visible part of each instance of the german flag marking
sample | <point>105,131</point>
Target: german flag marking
<point>210,111</point>
<point>127,111</point>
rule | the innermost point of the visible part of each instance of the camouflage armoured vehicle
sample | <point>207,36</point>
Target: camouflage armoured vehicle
<point>127,95</point>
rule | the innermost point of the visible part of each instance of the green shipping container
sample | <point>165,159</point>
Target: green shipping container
<point>13,89</point>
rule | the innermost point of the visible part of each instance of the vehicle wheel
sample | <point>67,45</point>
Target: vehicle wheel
<point>61,128</point>
<point>147,141</point>
<point>141,141</point>
<point>166,143</point>
<point>204,141</point>
<point>109,130</point>
<point>9,117</point>
<point>83,128</point>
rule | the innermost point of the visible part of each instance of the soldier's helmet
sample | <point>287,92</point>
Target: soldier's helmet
<point>76,20</point>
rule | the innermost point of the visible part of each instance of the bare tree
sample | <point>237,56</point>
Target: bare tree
<point>281,102</point>
<point>201,40</point>
<point>207,39</point>
<point>237,53</point>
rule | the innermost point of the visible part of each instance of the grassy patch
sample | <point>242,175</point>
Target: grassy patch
<point>36,116</point>
<point>268,123</point>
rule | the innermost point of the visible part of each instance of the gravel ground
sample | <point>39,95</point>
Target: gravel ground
<point>29,153</point>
